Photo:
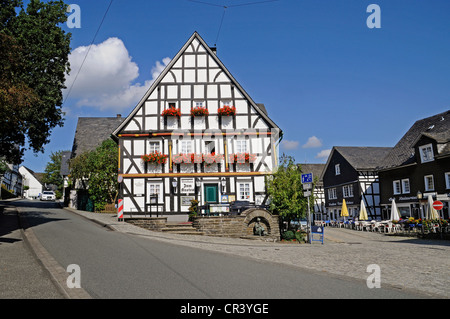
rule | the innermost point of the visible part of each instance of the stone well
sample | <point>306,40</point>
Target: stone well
<point>239,226</point>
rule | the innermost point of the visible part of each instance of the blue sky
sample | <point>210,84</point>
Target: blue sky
<point>325,77</point>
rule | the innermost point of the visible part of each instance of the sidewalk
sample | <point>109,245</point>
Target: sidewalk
<point>21,275</point>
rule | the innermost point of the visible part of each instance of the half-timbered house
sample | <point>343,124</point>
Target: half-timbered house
<point>195,135</point>
<point>418,166</point>
<point>350,173</point>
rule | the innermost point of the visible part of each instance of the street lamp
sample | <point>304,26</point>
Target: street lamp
<point>224,183</point>
<point>174,185</point>
<point>419,195</point>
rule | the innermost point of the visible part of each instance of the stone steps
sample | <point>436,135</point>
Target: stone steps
<point>181,228</point>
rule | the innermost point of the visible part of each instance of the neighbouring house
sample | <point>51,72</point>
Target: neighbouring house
<point>195,135</point>
<point>418,166</point>
<point>32,183</point>
<point>90,133</point>
<point>351,174</point>
<point>318,209</point>
<point>12,180</point>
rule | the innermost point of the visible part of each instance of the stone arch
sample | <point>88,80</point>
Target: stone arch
<point>270,221</point>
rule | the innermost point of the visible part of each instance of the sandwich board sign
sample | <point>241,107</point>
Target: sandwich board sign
<point>318,230</point>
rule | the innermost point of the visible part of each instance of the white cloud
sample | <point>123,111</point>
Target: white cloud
<point>323,154</point>
<point>106,79</point>
<point>312,142</point>
<point>289,145</point>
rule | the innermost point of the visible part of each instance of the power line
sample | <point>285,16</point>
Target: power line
<point>89,49</point>
<point>225,7</point>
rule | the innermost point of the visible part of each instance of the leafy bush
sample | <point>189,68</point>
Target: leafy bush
<point>299,235</point>
<point>288,235</point>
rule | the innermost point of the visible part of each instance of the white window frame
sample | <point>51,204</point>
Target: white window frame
<point>238,145</point>
<point>247,190</point>
<point>150,192</point>
<point>397,187</point>
<point>426,179</point>
<point>347,190</point>
<point>447,180</point>
<point>151,149</point>
<point>199,104</point>
<point>226,103</point>
<point>426,153</point>
<point>406,186</point>
<point>185,147</point>
<point>337,169</point>
<point>332,193</point>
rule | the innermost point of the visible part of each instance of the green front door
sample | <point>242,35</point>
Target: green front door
<point>211,193</point>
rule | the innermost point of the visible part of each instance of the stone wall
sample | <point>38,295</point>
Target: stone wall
<point>152,223</point>
<point>238,226</point>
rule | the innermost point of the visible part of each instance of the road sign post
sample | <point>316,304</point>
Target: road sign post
<point>307,185</point>
<point>438,205</point>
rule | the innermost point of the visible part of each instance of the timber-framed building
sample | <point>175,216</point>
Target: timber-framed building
<point>195,135</point>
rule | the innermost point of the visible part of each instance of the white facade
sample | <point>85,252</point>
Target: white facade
<point>34,186</point>
<point>195,78</point>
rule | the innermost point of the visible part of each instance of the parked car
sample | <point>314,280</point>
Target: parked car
<point>48,195</point>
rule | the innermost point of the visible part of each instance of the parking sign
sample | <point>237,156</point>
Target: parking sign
<point>307,178</point>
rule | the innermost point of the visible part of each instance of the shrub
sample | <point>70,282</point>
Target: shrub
<point>288,235</point>
<point>299,235</point>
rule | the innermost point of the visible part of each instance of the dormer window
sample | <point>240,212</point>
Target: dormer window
<point>337,169</point>
<point>426,153</point>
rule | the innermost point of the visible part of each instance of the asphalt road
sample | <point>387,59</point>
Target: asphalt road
<point>118,265</point>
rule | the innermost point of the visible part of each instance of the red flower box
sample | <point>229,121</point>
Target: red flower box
<point>156,157</point>
<point>171,112</point>
<point>242,158</point>
<point>199,111</point>
<point>227,111</point>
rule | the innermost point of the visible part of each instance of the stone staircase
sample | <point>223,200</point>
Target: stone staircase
<point>181,228</point>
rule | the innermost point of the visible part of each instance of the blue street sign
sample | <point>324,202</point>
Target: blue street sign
<point>307,178</point>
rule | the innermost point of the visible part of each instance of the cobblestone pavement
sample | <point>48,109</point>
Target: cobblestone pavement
<point>405,262</point>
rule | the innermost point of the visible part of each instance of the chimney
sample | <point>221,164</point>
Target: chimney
<point>119,115</point>
<point>214,50</point>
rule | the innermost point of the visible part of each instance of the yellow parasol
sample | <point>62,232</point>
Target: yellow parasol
<point>363,211</point>
<point>344,211</point>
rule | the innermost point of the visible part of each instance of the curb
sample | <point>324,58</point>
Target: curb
<point>57,273</point>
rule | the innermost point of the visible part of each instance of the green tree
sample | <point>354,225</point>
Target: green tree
<point>34,52</point>
<point>286,191</point>
<point>52,173</point>
<point>99,168</point>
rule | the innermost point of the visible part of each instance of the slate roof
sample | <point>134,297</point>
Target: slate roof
<point>436,127</point>
<point>363,157</point>
<point>92,131</point>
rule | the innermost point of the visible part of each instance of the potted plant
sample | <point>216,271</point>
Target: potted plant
<point>171,111</point>
<point>155,157</point>
<point>227,111</point>
<point>242,158</point>
<point>199,111</point>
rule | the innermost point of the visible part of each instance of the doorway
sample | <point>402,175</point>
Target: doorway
<point>211,193</point>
